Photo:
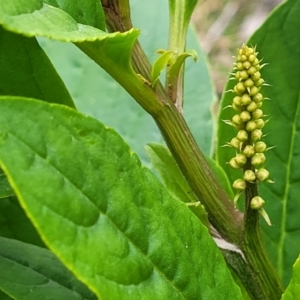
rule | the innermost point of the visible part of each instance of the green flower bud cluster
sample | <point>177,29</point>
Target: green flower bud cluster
<point>249,122</point>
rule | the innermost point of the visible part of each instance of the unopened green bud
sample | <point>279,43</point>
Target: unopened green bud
<point>242,135</point>
<point>249,51</point>
<point>245,116</point>
<point>262,174</point>
<point>243,75</point>
<point>239,184</point>
<point>255,76</point>
<point>260,123</point>
<point>256,62</point>
<point>259,82</point>
<point>258,159</point>
<point>254,91</point>
<point>259,104</point>
<point>243,57</point>
<point>258,98</point>
<point>249,83</point>
<point>249,176</point>
<point>236,119</point>
<point>235,143</point>
<point>257,203</point>
<point>251,58</point>
<point>260,147</point>
<point>251,70</point>
<point>249,150</point>
<point>256,134</point>
<point>233,164</point>
<point>258,113</point>
<point>236,107</point>
<point>245,99</point>
<point>250,125</point>
<point>239,66</point>
<point>252,106</point>
<point>240,159</point>
<point>237,100</point>
<point>246,65</point>
<point>239,88</point>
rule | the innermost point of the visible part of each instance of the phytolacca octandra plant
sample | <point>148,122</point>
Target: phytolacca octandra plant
<point>249,122</point>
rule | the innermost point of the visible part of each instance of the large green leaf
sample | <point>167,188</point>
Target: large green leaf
<point>26,70</point>
<point>293,290</point>
<point>15,224</point>
<point>30,272</point>
<point>278,42</point>
<point>111,51</point>
<point>107,218</point>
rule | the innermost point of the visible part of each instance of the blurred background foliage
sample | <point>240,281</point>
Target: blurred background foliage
<point>223,26</point>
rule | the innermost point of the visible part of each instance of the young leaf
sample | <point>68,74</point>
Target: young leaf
<point>30,272</point>
<point>26,71</point>
<point>176,66</point>
<point>278,42</point>
<point>161,62</point>
<point>107,218</point>
<point>293,290</point>
<point>84,12</point>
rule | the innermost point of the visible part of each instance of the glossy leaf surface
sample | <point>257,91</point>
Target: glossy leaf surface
<point>278,43</point>
<point>116,217</point>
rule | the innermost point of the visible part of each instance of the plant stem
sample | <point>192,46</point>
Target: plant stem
<point>253,267</point>
<point>180,12</point>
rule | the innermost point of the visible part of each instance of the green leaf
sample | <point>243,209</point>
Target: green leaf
<point>173,179</point>
<point>30,272</point>
<point>5,188</point>
<point>26,70</point>
<point>111,51</point>
<point>159,65</point>
<point>35,18</point>
<point>123,235</point>
<point>84,12</point>
<point>4,296</point>
<point>176,66</point>
<point>278,42</point>
<point>293,290</point>
<point>15,224</point>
